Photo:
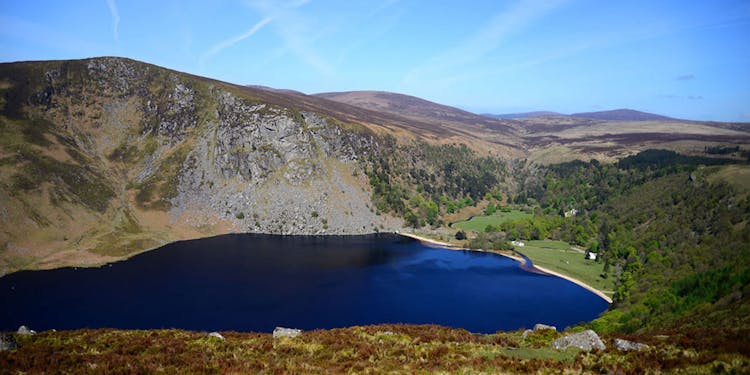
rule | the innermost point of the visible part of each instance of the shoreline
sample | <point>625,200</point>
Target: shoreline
<point>541,270</point>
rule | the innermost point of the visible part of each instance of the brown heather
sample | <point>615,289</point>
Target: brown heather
<point>371,349</point>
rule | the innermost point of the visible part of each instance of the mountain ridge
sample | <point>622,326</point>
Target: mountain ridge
<point>622,114</point>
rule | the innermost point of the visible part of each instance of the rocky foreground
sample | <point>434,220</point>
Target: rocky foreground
<point>375,349</point>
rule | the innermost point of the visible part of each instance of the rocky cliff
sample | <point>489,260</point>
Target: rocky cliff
<point>104,157</point>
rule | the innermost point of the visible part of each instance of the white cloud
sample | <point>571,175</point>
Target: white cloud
<point>115,19</point>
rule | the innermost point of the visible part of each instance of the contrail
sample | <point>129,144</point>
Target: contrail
<point>234,40</point>
<point>115,19</point>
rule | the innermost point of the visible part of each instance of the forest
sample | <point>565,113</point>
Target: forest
<point>670,229</point>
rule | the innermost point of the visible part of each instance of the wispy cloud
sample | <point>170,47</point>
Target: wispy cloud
<point>486,39</point>
<point>115,19</point>
<point>673,96</point>
<point>382,6</point>
<point>233,40</point>
<point>295,30</point>
<point>685,77</point>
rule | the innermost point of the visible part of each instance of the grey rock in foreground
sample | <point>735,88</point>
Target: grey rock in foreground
<point>23,330</point>
<point>216,335</point>
<point>7,342</point>
<point>540,326</point>
<point>586,340</point>
<point>625,345</point>
<point>286,332</point>
<point>537,327</point>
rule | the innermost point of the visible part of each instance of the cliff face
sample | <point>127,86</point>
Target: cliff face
<point>105,157</point>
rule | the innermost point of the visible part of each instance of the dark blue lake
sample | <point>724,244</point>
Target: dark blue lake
<point>250,282</point>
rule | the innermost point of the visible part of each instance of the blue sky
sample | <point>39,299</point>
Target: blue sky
<point>686,59</point>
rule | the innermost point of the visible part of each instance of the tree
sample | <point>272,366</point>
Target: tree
<point>491,209</point>
<point>461,235</point>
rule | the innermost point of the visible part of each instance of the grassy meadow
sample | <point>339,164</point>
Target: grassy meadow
<point>478,223</point>
<point>558,256</point>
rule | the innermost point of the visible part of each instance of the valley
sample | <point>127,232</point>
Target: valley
<point>105,158</point>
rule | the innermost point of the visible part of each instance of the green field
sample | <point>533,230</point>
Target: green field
<point>478,223</point>
<point>559,257</point>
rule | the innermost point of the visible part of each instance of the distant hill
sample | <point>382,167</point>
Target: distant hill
<point>523,115</point>
<point>421,110</point>
<point>404,105</point>
<point>267,88</point>
<point>622,115</point>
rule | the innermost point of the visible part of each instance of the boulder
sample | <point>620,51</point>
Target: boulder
<point>23,330</point>
<point>586,340</point>
<point>540,326</point>
<point>286,332</point>
<point>626,346</point>
<point>216,335</point>
<point>7,342</point>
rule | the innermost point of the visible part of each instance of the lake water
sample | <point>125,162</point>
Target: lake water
<point>250,282</point>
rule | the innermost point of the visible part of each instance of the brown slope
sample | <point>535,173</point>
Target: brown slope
<point>421,110</point>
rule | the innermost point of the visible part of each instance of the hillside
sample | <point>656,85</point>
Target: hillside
<point>106,157</point>
<point>501,133</point>
<point>392,348</point>
<point>622,115</point>
<point>548,137</point>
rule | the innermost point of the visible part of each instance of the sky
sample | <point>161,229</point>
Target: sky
<point>684,59</point>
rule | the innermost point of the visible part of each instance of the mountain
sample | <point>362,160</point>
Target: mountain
<point>404,105</point>
<point>101,158</point>
<point>622,115</point>
<point>499,132</point>
<point>612,115</point>
<point>106,157</point>
<point>523,115</point>
<point>549,137</point>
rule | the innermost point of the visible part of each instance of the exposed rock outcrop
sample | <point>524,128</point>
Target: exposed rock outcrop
<point>216,335</point>
<point>537,327</point>
<point>280,332</point>
<point>540,326</point>
<point>587,340</point>
<point>23,330</point>
<point>625,345</point>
